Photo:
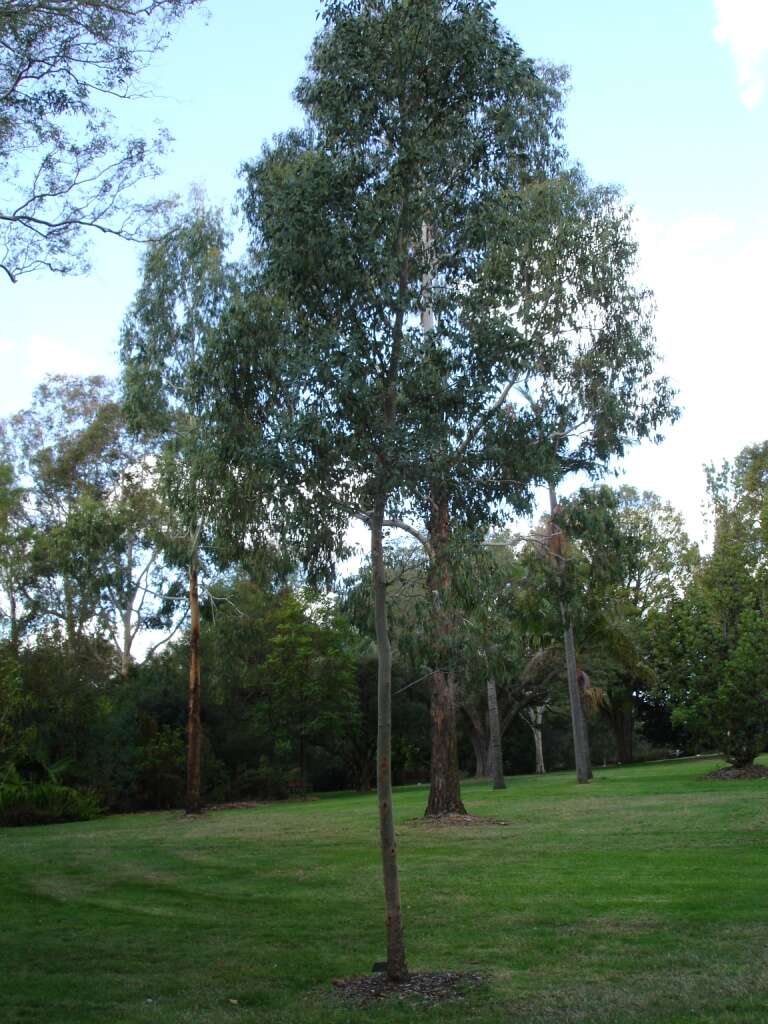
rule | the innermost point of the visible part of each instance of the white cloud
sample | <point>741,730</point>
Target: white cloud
<point>742,26</point>
<point>35,355</point>
<point>708,279</point>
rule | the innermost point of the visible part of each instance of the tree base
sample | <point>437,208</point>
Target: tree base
<point>426,988</point>
<point>747,771</point>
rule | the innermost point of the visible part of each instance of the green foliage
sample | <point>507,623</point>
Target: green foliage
<point>85,557</point>
<point>709,647</point>
<point>45,803</point>
<point>65,165</point>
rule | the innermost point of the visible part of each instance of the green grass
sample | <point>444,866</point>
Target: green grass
<point>640,898</point>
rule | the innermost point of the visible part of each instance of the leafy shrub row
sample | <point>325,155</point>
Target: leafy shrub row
<point>43,803</point>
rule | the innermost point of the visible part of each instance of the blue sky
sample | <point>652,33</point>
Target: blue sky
<point>666,101</point>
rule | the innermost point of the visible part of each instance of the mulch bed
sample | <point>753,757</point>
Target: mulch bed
<point>457,821</point>
<point>427,988</point>
<point>754,771</point>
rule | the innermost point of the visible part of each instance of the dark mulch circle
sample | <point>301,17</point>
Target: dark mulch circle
<point>457,821</point>
<point>425,988</point>
<point>753,771</point>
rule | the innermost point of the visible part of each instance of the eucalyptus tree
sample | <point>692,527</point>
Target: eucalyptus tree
<point>378,225</point>
<point>186,284</point>
<point>595,391</point>
<point>425,252</point>
<point>388,223</point>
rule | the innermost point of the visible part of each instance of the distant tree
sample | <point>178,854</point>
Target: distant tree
<point>65,167</point>
<point>653,565</point>
<point>16,533</point>
<point>91,519</point>
<point>710,644</point>
<point>186,284</point>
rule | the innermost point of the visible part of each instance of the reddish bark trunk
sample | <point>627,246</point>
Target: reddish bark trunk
<point>445,784</point>
<point>193,803</point>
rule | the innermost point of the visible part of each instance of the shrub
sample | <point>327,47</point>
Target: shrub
<point>44,803</point>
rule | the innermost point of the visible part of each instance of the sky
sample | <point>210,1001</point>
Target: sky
<point>667,100</point>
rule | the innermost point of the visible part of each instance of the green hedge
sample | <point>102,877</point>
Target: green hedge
<point>44,803</point>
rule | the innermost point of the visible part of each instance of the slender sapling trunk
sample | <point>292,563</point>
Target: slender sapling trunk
<point>397,969</point>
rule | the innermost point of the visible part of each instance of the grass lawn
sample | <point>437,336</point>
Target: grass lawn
<point>642,897</point>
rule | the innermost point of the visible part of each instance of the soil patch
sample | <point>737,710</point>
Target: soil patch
<point>236,805</point>
<point>427,988</point>
<point>753,771</point>
<point>457,821</point>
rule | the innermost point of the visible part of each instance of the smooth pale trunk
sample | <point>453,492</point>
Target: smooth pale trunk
<point>397,969</point>
<point>578,719</point>
<point>125,653</point>
<point>194,736</point>
<point>535,719</point>
<point>493,720</point>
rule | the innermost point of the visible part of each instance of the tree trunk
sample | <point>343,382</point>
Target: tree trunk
<point>69,617</point>
<point>497,759</point>
<point>479,752</point>
<point>397,969</point>
<point>127,612</point>
<point>194,734</point>
<point>14,620</point>
<point>535,719</point>
<point>444,789</point>
<point>578,719</point>
<point>622,721</point>
<point>479,738</point>
<point>364,778</point>
<point>445,785</point>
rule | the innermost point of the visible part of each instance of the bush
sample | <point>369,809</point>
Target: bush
<point>45,803</point>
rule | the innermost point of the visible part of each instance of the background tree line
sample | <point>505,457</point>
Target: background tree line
<point>669,640</point>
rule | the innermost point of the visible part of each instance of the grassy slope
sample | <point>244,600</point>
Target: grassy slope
<point>643,897</point>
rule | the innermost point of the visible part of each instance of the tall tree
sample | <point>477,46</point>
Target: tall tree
<point>64,165</point>
<point>421,242</point>
<point>372,226</point>
<point>186,284</point>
